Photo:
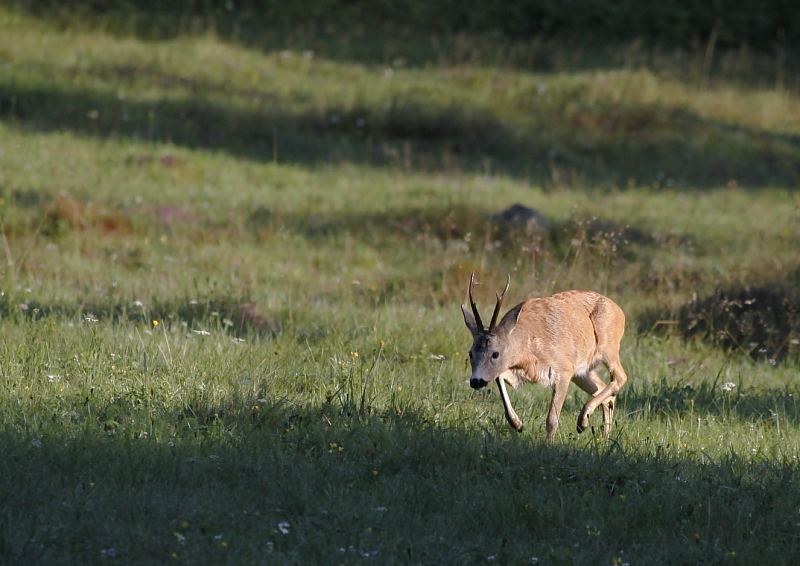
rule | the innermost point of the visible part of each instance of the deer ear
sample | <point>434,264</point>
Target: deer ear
<point>469,320</point>
<point>510,320</point>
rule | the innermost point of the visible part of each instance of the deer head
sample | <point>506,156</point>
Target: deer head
<point>489,345</point>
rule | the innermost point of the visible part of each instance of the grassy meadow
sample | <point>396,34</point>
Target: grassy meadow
<point>230,288</point>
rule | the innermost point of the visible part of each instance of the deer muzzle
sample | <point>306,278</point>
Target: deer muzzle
<point>477,383</point>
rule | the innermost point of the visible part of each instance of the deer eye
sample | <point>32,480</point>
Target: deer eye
<point>495,355</point>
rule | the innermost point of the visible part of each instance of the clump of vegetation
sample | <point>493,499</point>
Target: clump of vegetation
<point>764,322</point>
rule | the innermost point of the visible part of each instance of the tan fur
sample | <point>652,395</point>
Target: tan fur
<point>553,341</point>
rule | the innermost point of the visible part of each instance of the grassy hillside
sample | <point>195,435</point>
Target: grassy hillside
<point>230,293</point>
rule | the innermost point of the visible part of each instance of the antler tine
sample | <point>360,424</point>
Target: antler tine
<point>472,301</point>
<point>497,305</point>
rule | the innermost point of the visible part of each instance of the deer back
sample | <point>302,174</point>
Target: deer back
<point>568,332</point>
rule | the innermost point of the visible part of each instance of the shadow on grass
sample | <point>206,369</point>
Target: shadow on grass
<point>604,146</point>
<point>413,32</point>
<point>367,483</point>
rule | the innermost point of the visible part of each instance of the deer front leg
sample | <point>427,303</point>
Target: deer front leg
<point>511,416</point>
<point>560,387</point>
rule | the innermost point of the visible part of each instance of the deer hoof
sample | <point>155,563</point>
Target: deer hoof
<point>583,419</point>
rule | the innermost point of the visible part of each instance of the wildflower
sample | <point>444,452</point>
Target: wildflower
<point>90,317</point>
<point>728,386</point>
<point>354,354</point>
<point>155,323</point>
<point>283,526</point>
<point>202,332</point>
<point>180,537</point>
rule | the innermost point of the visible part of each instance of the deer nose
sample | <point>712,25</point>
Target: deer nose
<point>477,383</point>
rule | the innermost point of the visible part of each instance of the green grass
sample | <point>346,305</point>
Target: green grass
<point>152,189</point>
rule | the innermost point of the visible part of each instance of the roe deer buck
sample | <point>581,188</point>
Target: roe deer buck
<point>552,341</point>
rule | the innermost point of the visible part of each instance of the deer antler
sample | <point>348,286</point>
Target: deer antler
<point>497,305</point>
<point>472,302</point>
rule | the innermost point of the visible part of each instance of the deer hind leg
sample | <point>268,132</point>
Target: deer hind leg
<point>592,384</point>
<point>606,396</point>
<point>609,325</point>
